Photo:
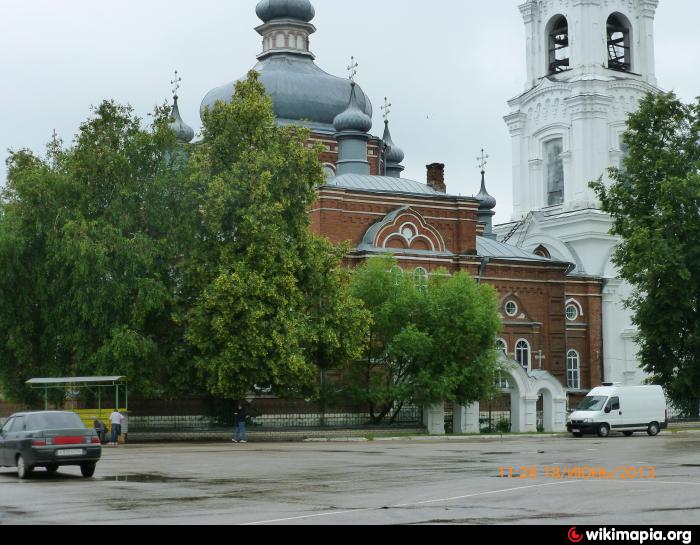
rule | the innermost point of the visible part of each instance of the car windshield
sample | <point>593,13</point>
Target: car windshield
<point>592,403</point>
<point>54,421</point>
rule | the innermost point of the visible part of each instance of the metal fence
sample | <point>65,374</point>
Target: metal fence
<point>275,415</point>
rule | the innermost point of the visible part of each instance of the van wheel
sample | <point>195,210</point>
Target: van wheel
<point>88,470</point>
<point>23,470</point>
<point>603,430</point>
<point>654,429</point>
<point>628,433</point>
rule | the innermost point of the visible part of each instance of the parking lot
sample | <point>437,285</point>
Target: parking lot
<point>378,482</point>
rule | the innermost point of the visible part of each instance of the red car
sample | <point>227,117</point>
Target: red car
<point>48,439</point>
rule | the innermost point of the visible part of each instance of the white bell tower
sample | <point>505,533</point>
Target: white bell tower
<point>589,63</point>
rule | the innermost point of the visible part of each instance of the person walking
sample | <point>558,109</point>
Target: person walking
<point>241,435</point>
<point>116,420</point>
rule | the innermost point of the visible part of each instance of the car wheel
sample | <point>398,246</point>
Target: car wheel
<point>628,433</point>
<point>654,429</point>
<point>52,469</point>
<point>88,470</point>
<point>578,435</point>
<point>603,430</point>
<point>23,470</point>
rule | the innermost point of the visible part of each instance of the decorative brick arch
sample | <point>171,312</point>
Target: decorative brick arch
<point>409,231</point>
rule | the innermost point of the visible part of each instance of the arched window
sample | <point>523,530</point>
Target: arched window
<point>328,171</point>
<point>619,43</point>
<point>542,251</point>
<point>558,40</point>
<point>523,353</point>
<point>502,346</point>
<point>573,370</point>
<point>554,165</point>
<point>420,275</point>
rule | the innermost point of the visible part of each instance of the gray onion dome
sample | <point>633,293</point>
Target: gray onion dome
<point>301,10</point>
<point>488,202</point>
<point>394,154</point>
<point>182,130</point>
<point>353,118</point>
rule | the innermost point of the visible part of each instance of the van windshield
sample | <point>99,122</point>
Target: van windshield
<point>592,403</point>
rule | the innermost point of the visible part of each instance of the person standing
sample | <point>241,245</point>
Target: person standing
<point>241,435</point>
<point>116,419</point>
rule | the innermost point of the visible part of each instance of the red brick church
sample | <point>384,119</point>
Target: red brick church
<point>551,317</point>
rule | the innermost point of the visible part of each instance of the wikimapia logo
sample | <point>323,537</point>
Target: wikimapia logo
<point>634,536</point>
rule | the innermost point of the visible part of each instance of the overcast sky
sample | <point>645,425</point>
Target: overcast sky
<point>448,66</point>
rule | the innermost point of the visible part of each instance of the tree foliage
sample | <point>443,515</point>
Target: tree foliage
<point>431,340</point>
<point>275,308</point>
<point>654,201</point>
<point>87,258</point>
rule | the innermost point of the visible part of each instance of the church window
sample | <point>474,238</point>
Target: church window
<point>420,276</point>
<point>573,370</point>
<point>328,171</point>
<point>571,313</point>
<point>523,353</point>
<point>501,346</point>
<point>511,309</point>
<point>542,251</point>
<point>558,38</point>
<point>619,44</point>
<point>554,171</point>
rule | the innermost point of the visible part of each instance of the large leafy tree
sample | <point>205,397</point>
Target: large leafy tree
<point>274,307</point>
<point>654,201</point>
<point>89,251</point>
<point>431,340</point>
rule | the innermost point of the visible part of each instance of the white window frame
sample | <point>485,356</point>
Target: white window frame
<point>519,349</point>
<point>573,374</point>
<point>505,308</point>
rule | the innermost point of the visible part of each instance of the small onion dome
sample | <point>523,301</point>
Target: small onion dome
<point>183,132</point>
<point>301,10</point>
<point>353,118</point>
<point>394,153</point>
<point>487,201</point>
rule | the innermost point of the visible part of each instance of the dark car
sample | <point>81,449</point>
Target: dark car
<point>49,440</point>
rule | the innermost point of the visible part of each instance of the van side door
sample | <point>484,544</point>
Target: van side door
<point>614,415</point>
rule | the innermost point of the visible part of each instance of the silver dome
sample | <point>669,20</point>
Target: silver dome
<point>268,10</point>
<point>301,92</point>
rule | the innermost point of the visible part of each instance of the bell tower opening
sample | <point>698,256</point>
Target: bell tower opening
<point>619,43</point>
<point>558,45</point>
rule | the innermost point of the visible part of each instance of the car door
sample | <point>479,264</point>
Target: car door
<point>4,436</point>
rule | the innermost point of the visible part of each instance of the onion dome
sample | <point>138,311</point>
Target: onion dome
<point>353,118</point>
<point>183,132</point>
<point>487,201</point>
<point>394,153</point>
<point>269,10</point>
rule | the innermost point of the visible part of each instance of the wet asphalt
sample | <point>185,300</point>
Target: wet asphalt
<point>378,482</point>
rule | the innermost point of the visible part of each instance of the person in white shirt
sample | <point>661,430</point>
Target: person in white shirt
<point>116,419</point>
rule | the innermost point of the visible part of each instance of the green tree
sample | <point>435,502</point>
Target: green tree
<point>654,201</point>
<point>430,340</point>
<point>89,254</point>
<point>274,307</point>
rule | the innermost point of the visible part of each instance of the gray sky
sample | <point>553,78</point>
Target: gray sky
<point>448,66</point>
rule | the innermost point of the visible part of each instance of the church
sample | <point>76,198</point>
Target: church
<point>565,329</point>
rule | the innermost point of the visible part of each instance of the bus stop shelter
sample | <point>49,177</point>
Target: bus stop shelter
<point>79,383</point>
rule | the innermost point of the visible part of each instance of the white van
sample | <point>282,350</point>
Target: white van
<point>626,409</point>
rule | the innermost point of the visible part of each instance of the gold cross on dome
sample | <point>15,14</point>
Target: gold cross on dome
<point>386,108</point>
<point>482,161</point>
<point>353,69</point>
<point>176,83</point>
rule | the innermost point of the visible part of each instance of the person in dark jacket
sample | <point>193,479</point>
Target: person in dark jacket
<point>241,435</point>
<point>101,429</point>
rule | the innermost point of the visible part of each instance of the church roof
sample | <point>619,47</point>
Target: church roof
<point>487,247</point>
<point>382,184</point>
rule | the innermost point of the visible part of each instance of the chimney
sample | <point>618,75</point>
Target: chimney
<point>436,177</point>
